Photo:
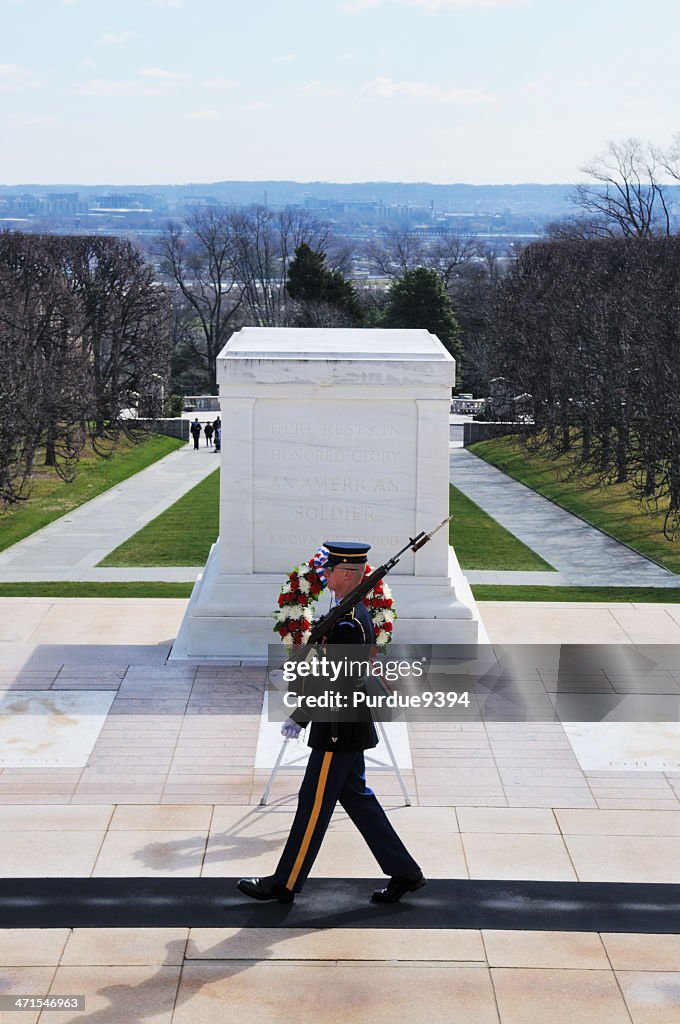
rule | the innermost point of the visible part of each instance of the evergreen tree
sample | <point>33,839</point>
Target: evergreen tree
<point>307,275</point>
<point>312,284</point>
<point>420,300</point>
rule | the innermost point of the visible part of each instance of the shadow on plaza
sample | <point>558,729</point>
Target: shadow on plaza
<point>231,844</point>
<point>170,987</point>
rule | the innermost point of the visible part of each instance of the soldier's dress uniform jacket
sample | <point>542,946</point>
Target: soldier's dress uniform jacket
<point>336,773</point>
<point>355,628</point>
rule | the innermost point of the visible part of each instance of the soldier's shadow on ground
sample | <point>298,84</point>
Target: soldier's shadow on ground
<point>232,844</point>
<point>166,990</point>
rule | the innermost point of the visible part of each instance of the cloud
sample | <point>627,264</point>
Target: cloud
<point>29,122</point>
<point>116,38</point>
<point>16,78</point>
<point>433,6</point>
<point>386,89</point>
<point>162,74</point>
<point>317,89</point>
<point>104,87</point>
<point>205,115</point>
<point>219,82</point>
<point>537,85</point>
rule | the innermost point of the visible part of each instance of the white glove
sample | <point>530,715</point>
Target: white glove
<point>290,729</point>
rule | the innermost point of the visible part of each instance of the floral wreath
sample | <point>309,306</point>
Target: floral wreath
<point>301,591</point>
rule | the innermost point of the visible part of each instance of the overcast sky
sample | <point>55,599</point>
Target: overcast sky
<point>482,91</point>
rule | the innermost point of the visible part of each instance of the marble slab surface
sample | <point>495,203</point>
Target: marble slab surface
<point>625,746</point>
<point>55,729</point>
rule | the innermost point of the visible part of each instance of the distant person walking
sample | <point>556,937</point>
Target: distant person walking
<point>217,427</point>
<point>196,429</point>
<point>209,430</point>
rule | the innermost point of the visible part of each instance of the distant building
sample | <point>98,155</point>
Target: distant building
<point>123,201</point>
<point>191,202</point>
<point>64,204</point>
<point>201,403</point>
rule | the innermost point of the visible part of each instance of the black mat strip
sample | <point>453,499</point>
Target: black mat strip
<point>339,903</point>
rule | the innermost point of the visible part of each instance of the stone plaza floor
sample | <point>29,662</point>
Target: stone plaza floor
<point>169,787</point>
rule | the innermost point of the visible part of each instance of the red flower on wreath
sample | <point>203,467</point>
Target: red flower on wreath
<point>301,591</point>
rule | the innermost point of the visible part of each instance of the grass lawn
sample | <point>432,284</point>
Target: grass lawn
<point>612,509</point>
<point>140,588</point>
<point>51,497</point>
<point>182,535</point>
<point>608,595</point>
<point>632,595</point>
<point>482,543</point>
<point>482,592</point>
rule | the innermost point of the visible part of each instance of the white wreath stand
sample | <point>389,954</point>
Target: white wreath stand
<point>381,765</point>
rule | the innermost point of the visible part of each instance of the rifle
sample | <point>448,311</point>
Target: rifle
<point>321,628</point>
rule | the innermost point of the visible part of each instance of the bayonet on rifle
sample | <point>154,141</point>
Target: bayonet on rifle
<point>321,628</point>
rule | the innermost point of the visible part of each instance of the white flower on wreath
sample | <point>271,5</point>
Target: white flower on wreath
<point>302,586</point>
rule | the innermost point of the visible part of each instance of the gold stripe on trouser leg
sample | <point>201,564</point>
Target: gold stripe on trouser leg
<point>313,818</point>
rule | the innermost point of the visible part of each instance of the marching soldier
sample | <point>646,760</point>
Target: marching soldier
<point>336,771</point>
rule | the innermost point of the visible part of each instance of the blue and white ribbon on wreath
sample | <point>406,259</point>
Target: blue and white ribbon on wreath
<point>319,562</point>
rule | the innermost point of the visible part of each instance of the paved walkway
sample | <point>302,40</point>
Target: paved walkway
<point>171,787</point>
<point>71,547</point>
<point>580,554</point>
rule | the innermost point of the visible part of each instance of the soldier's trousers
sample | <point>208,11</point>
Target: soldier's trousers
<point>332,777</point>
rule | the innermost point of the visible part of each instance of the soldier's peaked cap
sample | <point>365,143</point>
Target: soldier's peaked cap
<point>346,552</point>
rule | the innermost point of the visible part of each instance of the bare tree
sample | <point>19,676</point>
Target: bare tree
<point>124,330</point>
<point>471,289</point>
<point>83,327</point>
<point>38,319</point>
<point>578,229</point>
<point>626,196</point>
<point>20,377</point>
<point>452,251</point>
<point>589,329</point>
<point>669,159</point>
<point>200,259</point>
<point>228,267</point>
<point>395,253</point>
<point>265,242</point>
<point>67,394</point>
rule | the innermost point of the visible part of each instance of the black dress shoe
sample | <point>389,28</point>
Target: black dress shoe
<point>396,887</point>
<point>266,889</point>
